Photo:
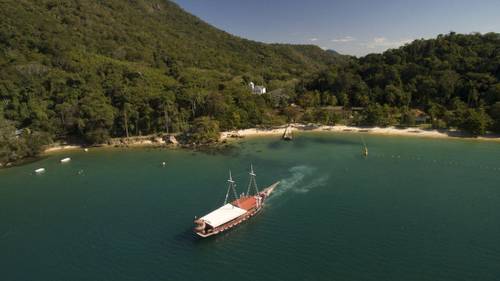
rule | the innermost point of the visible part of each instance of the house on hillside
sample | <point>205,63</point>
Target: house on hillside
<point>257,90</point>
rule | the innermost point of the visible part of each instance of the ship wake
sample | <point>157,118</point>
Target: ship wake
<point>302,180</point>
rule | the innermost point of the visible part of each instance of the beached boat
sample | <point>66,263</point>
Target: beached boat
<point>233,213</point>
<point>65,160</point>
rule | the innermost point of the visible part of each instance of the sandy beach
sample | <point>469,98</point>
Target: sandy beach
<point>142,141</point>
<point>278,131</point>
<point>389,131</point>
<point>57,148</point>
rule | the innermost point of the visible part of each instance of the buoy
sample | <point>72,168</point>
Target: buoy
<point>86,150</point>
<point>163,164</point>
<point>65,160</point>
<point>40,170</point>
<point>365,148</point>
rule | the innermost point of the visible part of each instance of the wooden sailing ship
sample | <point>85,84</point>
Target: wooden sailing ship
<point>234,213</point>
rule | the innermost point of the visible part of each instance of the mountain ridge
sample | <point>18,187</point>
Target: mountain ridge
<point>89,70</point>
<point>85,71</point>
<point>149,32</point>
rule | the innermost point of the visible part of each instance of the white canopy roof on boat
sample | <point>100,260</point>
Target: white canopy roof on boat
<point>222,215</point>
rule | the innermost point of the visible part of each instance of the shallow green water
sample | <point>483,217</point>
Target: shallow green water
<point>416,209</point>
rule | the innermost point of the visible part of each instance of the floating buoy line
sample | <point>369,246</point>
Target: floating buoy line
<point>449,163</point>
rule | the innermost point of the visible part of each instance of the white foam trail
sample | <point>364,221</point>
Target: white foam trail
<point>297,182</point>
<point>316,183</point>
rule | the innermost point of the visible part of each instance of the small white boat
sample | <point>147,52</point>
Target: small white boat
<point>65,160</point>
<point>86,150</point>
<point>40,170</point>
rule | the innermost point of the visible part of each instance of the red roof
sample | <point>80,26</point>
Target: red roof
<point>246,203</point>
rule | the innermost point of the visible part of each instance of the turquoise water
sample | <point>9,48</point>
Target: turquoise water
<point>415,209</point>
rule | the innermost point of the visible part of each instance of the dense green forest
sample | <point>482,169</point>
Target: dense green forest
<point>454,78</point>
<point>85,71</point>
<point>90,70</point>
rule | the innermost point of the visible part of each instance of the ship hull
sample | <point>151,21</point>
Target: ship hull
<point>229,225</point>
<point>264,194</point>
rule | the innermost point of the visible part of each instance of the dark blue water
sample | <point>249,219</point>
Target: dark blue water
<point>415,209</point>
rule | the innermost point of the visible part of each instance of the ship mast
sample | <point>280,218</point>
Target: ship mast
<point>232,185</point>
<point>252,181</point>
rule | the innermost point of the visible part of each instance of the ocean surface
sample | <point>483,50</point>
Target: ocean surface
<point>415,209</point>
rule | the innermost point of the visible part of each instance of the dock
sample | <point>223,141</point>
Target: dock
<point>288,135</point>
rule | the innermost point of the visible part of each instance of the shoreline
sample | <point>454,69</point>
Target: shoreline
<point>132,142</point>
<point>153,141</point>
<point>383,131</point>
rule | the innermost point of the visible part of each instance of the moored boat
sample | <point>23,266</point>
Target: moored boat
<point>65,160</point>
<point>234,213</point>
<point>40,171</point>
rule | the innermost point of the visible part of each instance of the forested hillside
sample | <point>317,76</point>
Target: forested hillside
<point>88,70</point>
<point>455,78</point>
<point>85,71</point>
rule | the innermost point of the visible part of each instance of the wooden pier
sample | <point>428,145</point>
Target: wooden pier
<point>288,135</point>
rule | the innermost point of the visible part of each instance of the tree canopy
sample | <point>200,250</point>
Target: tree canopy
<point>94,69</point>
<point>91,70</point>
<point>455,78</point>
